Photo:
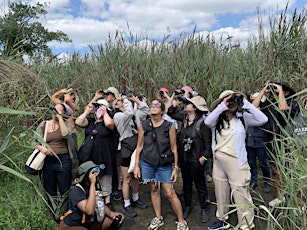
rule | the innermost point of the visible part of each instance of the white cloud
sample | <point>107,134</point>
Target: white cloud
<point>91,21</point>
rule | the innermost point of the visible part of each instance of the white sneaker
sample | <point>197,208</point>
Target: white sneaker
<point>181,226</point>
<point>276,202</point>
<point>155,223</point>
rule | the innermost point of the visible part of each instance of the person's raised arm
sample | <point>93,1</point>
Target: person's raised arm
<point>82,119</point>
<point>88,206</point>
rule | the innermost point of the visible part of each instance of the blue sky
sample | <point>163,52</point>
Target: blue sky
<point>92,21</point>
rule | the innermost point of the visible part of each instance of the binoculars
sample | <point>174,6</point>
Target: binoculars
<point>98,168</point>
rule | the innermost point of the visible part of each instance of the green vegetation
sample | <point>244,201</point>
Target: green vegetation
<point>21,33</point>
<point>208,65</point>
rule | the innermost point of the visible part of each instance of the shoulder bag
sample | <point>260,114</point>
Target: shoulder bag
<point>36,160</point>
<point>165,158</point>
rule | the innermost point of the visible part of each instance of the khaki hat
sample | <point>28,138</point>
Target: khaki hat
<point>112,90</point>
<point>224,94</point>
<point>83,168</point>
<point>199,102</point>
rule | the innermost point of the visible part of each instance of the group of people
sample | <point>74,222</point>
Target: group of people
<point>175,131</point>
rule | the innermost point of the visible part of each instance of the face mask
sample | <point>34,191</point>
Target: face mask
<point>99,113</point>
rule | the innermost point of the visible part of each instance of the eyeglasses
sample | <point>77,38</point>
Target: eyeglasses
<point>158,105</point>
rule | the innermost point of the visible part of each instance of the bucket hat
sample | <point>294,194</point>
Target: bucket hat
<point>224,94</point>
<point>83,168</point>
<point>199,102</point>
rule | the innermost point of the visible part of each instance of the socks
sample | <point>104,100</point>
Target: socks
<point>126,203</point>
<point>135,196</point>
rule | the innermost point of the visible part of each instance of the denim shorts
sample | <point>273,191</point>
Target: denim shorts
<point>156,173</point>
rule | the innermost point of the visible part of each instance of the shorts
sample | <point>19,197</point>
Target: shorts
<point>156,173</point>
<point>106,184</point>
<point>125,162</point>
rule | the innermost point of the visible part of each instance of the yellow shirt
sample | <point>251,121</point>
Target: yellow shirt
<point>226,139</point>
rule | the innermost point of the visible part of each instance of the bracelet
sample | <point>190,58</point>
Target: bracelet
<point>204,158</point>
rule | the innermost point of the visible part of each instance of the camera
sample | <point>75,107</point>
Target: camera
<point>271,88</point>
<point>127,93</point>
<point>179,92</point>
<point>237,99</point>
<point>161,92</point>
<point>182,99</point>
<point>187,144</point>
<point>98,168</point>
<point>95,104</point>
<point>141,97</point>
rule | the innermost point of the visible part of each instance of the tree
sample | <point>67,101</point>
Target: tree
<point>21,33</point>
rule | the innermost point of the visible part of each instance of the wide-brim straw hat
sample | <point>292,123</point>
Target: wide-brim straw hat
<point>224,94</point>
<point>199,102</point>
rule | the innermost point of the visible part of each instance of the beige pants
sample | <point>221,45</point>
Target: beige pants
<point>231,182</point>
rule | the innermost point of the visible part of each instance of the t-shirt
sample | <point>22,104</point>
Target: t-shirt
<point>75,196</point>
<point>225,141</point>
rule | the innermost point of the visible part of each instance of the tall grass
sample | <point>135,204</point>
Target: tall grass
<point>207,64</point>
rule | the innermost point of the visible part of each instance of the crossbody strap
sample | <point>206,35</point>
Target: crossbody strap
<point>45,131</point>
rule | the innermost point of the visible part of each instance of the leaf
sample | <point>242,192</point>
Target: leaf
<point>6,110</point>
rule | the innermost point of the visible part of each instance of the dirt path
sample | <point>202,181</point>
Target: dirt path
<point>145,215</point>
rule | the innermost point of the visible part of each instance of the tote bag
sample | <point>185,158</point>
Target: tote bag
<point>36,160</point>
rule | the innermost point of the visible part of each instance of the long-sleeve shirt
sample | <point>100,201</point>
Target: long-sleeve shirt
<point>252,117</point>
<point>123,120</point>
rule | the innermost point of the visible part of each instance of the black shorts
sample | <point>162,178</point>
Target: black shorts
<point>125,162</point>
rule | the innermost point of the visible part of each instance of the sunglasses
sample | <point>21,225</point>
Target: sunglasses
<point>158,105</point>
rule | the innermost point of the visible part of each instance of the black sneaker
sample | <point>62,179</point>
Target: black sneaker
<point>218,225</point>
<point>117,195</point>
<point>139,204</point>
<point>129,211</point>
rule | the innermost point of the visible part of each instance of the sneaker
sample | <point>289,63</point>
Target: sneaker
<point>276,202</point>
<point>129,211</point>
<point>219,225</point>
<point>204,216</point>
<point>156,223</point>
<point>117,195</point>
<point>267,188</point>
<point>209,178</point>
<point>182,226</point>
<point>139,204</point>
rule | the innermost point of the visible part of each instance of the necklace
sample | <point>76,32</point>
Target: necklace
<point>54,126</point>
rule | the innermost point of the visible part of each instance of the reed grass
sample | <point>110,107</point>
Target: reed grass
<point>207,64</point>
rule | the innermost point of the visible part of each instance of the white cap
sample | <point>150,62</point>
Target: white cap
<point>103,102</point>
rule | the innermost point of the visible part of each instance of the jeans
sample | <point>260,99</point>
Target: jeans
<point>194,172</point>
<point>57,174</point>
<point>208,167</point>
<point>252,154</point>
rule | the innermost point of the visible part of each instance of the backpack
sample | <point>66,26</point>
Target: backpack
<point>63,209</point>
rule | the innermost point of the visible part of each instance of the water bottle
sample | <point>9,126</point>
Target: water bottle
<point>115,224</point>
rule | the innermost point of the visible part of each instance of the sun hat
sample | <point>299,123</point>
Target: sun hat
<point>83,168</point>
<point>112,90</point>
<point>286,87</point>
<point>164,90</point>
<point>224,94</point>
<point>187,89</point>
<point>199,102</point>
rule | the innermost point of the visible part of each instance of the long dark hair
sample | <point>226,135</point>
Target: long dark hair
<point>220,122</point>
